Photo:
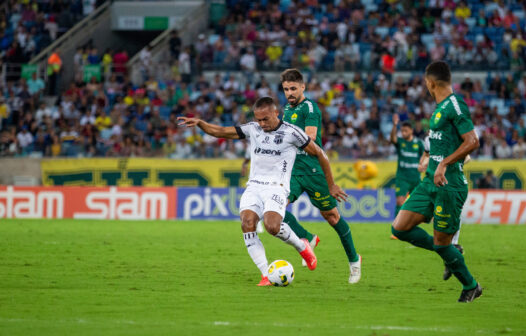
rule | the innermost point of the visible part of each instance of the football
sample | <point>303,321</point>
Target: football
<point>280,273</point>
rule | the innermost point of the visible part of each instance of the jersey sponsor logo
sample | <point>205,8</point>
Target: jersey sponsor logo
<point>442,224</point>
<point>293,117</point>
<point>455,104</point>
<point>284,168</point>
<point>437,158</point>
<point>300,138</point>
<point>408,165</point>
<point>277,199</point>
<point>259,182</point>
<point>311,108</point>
<point>435,135</point>
<point>262,151</point>
<point>266,141</point>
<point>409,154</point>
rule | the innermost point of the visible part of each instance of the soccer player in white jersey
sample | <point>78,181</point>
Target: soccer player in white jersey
<point>422,167</point>
<point>273,146</point>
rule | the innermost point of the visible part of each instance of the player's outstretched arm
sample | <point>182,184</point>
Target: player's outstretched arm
<point>469,144</point>
<point>334,190</point>
<point>214,130</point>
<point>393,137</point>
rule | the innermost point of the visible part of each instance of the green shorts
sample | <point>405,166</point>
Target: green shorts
<point>444,206</point>
<point>404,187</point>
<point>317,189</point>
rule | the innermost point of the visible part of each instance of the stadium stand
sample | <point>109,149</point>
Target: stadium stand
<point>219,75</point>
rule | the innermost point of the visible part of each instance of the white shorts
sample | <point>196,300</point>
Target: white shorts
<point>263,199</point>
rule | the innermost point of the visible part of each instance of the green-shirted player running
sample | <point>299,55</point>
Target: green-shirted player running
<point>307,175</point>
<point>409,150</point>
<point>444,189</point>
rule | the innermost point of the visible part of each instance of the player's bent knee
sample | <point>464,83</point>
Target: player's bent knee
<point>249,221</point>
<point>332,216</point>
<point>272,227</point>
<point>248,225</point>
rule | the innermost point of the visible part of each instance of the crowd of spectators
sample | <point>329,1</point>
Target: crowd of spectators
<point>356,34</point>
<point>116,118</point>
<point>27,27</point>
<point>113,117</point>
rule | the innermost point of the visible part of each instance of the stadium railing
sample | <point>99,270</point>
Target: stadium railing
<point>66,44</point>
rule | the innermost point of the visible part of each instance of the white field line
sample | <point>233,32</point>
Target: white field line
<point>81,321</point>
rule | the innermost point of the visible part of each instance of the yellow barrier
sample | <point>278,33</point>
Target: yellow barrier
<point>225,173</point>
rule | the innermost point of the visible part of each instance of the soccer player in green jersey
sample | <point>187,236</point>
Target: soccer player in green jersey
<point>409,150</point>
<point>307,175</point>
<point>422,167</point>
<point>444,189</point>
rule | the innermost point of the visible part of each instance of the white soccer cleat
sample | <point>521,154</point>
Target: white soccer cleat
<point>313,243</point>
<point>356,270</point>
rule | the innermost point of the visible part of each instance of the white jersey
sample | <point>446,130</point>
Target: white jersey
<point>272,153</point>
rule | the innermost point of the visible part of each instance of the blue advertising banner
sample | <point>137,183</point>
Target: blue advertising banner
<point>223,203</point>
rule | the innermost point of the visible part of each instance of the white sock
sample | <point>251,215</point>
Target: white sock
<point>256,251</point>
<point>288,236</point>
<point>454,241</point>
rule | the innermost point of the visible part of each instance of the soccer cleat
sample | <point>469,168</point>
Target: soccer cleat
<point>313,243</point>
<point>447,272</point>
<point>264,281</point>
<point>308,255</point>
<point>393,237</point>
<point>356,270</point>
<point>470,295</point>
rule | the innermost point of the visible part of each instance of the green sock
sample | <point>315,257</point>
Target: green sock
<point>296,227</point>
<point>454,260</point>
<point>416,236</point>
<point>397,210</point>
<point>344,232</point>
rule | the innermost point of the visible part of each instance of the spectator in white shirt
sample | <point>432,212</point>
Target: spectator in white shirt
<point>25,139</point>
<point>519,149</point>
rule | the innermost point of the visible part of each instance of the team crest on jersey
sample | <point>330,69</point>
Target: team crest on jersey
<point>293,117</point>
<point>278,139</point>
<point>415,146</point>
<point>437,117</point>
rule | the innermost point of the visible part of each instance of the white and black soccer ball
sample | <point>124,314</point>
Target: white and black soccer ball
<point>280,273</point>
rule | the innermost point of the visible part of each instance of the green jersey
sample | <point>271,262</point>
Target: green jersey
<point>409,153</point>
<point>302,115</point>
<point>450,120</point>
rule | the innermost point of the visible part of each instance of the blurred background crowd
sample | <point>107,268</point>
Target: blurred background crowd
<point>353,54</point>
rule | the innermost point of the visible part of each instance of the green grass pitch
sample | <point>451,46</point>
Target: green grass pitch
<point>73,277</point>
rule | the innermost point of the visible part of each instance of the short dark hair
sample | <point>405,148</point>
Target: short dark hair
<point>407,124</point>
<point>440,71</point>
<point>264,102</point>
<point>291,75</point>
